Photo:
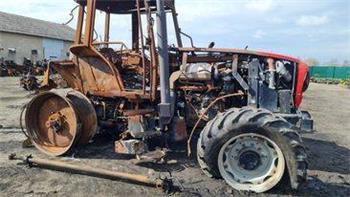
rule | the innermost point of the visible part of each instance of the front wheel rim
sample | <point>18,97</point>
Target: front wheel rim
<point>251,162</point>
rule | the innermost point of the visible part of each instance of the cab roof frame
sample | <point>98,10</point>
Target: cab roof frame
<point>126,6</point>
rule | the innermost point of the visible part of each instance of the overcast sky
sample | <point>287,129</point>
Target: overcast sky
<point>302,28</point>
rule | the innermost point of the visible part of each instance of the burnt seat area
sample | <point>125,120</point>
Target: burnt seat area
<point>112,56</point>
<point>129,65</point>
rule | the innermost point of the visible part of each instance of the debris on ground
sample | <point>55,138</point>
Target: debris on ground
<point>328,147</point>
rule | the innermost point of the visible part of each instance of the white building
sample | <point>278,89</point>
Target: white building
<point>22,37</point>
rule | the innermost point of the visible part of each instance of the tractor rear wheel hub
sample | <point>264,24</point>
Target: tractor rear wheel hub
<point>55,122</point>
<point>58,120</point>
<point>249,160</point>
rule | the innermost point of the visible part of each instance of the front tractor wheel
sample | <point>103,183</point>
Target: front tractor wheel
<point>251,162</point>
<point>251,149</point>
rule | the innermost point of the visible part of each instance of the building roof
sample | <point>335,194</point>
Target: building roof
<point>29,26</point>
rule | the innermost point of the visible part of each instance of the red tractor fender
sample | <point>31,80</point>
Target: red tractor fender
<point>302,70</point>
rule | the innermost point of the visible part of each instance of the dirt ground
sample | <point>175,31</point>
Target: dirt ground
<point>328,148</point>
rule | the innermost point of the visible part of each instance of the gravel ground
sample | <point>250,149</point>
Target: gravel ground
<point>328,148</point>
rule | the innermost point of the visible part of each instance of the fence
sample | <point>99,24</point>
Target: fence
<point>330,72</point>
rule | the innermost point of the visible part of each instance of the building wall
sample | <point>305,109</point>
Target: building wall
<point>53,49</point>
<point>24,45</point>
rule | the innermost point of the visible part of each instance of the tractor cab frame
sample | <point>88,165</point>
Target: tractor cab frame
<point>142,57</point>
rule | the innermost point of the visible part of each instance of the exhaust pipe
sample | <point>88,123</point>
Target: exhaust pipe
<point>163,55</point>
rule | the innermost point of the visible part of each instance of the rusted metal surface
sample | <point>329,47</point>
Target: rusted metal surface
<point>79,25</point>
<point>176,26</point>
<point>49,133</point>
<point>87,115</point>
<point>142,45</point>
<point>135,32</point>
<point>164,184</point>
<point>85,74</point>
<point>154,60</point>
<point>136,95</point>
<point>138,112</point>
<point>56,121</point>
<point>180,129</point>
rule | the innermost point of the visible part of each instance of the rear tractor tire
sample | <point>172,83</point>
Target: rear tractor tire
<point>58,120</point>
<point>252,150</point>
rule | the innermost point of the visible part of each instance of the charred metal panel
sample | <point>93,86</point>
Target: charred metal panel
<point>306,124</point>
<point>285,101</point>
<point>236,75</point>
<point>268,98</point>
<point>253,82</point>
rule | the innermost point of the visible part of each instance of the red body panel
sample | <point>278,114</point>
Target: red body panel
<point>302,71</point>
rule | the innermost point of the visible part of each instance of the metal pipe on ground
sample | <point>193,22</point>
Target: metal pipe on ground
<point>164,184</point>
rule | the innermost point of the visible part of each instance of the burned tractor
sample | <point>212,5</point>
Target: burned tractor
<point>245,104</point>
<point>29,82</point>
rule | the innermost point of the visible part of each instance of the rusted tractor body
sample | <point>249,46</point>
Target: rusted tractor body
<point>245,103</point>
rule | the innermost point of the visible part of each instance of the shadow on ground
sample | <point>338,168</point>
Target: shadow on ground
<point>315,187</point>
<point>323,156</point>
<point>327,156</point>
<point>103,148</point>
